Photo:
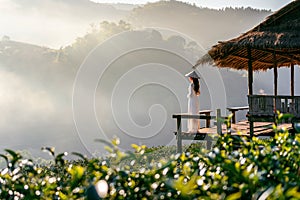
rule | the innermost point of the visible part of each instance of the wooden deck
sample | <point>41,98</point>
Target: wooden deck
<point>241,128</point>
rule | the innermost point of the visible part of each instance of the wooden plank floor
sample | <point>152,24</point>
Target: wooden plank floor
<point>242,128</point>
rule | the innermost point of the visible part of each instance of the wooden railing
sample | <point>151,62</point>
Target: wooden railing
<point>267,105</point>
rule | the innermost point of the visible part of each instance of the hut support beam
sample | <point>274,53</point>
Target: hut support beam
<point>292,79</point>
<point>275,81</point>
<point>275,74</point>
<point>280,53</point>
<point>250,72</point>
<point>250,88</point>
<point>257,61</point>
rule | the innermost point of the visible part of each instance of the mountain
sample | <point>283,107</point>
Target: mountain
<point>125,6</point>
<point>206,26</point>
<point>57,23</point>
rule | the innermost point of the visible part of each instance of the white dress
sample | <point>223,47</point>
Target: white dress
<point>193,108</point>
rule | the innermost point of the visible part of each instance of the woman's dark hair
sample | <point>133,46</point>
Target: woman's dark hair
<point>196,86</point>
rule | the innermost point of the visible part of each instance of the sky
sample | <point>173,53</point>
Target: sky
<point>217,4</point>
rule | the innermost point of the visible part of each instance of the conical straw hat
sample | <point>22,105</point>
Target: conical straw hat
<point>193,74</point>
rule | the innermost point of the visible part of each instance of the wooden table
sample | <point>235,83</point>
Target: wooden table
<point>206,113</point>
<point>235,109</point>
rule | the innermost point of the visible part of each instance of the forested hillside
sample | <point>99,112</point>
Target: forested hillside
<point>207,26</point>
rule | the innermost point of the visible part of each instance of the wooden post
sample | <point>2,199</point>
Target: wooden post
<point>207,114</point>
<point>251,128</point>
<point>219,122</point>
<point>292,80</point>
<point>179,139</point>
<point>275,81</point>
<point>208,120</point>
<point>250,72</point>
<point>275,74</point>
<point>250,90</point>
<point>233,120</point>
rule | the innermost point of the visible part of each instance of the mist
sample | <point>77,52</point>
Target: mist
<point>65,83</point>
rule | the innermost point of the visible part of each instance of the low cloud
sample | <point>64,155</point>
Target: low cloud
<point>21,102</point>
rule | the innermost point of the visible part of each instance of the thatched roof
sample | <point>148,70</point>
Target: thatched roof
<point>279,34</point>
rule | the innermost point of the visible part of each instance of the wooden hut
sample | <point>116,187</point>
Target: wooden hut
<point>272,44</point>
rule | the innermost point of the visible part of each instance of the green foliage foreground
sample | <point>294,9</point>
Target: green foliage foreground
<point>234,169</point>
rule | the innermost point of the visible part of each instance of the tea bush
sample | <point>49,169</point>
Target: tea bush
<point>236,168</point>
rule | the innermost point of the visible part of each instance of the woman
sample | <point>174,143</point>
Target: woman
<point>193,101</point>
